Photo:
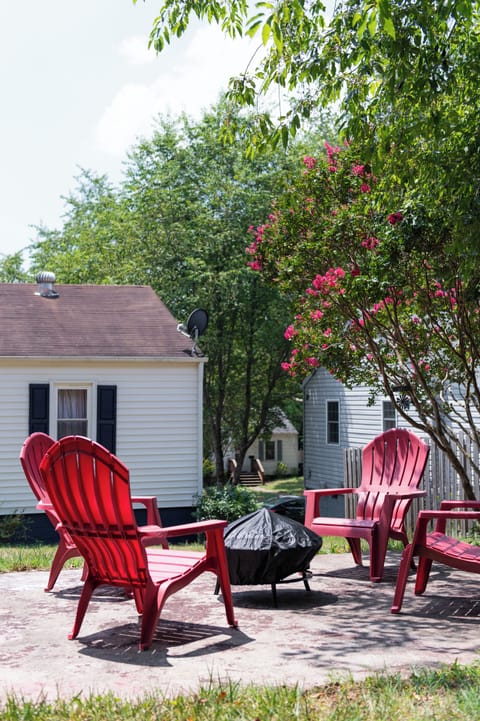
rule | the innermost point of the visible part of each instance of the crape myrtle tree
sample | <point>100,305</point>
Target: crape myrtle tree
<point>379,295</point>
<point>178,222</point>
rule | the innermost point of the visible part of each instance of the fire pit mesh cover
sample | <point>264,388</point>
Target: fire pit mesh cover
<point>265,547</point>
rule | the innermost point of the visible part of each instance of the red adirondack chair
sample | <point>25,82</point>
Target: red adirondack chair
<point>392,469</point>
<point>33,450</point>
<point>90,491</point>
<point>438,547</point>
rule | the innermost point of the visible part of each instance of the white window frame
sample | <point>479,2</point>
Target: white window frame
<point>387,418</point>
<point>55,388</point>
<point>328,422</point>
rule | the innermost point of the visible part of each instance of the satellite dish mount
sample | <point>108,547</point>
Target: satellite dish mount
<point>195,327</point>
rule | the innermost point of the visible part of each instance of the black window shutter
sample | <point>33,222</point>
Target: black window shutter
<point>38,408</point>
<point>107,417</point>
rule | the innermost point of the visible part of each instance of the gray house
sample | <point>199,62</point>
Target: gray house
<point>106,362</point>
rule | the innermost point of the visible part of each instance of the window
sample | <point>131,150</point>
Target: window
<point>389,415</point>
<point>270,450</point>
<point>333,422</point>
<point>49,409</point>
<point>72,412</point>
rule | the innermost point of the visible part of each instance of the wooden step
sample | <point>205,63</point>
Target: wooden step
<point>249,479</point>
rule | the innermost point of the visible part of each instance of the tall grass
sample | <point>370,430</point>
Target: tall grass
<point>427,695</point>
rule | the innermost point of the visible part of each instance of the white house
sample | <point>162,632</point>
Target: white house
<point>280,447</point>
<point>106,362</point>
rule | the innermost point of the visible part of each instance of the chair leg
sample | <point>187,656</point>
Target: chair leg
<point>217,548</point>
<point>403,570</point>
<point>62,555</point>
<point>356,550</point>
<point>88,588</point>
<point>423,573</point>
<point>153,601</point>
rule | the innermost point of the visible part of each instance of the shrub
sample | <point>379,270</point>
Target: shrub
<point>13,527</point>
<point>226,503</point>
<point>208,470</point>
<point>282,470</point>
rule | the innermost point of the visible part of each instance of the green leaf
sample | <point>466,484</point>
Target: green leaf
<point>266,32</point>
<point>389,27</point>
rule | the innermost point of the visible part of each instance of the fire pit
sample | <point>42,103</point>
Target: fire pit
<point>265,548</point>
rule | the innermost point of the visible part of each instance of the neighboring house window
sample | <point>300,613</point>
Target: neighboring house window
<point>73,412</point>
<point>389,415</point>
<point>270,450</point>
<point>333,422</point>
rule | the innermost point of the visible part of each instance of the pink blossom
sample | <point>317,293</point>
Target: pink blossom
<point>365,188</point>
<point>286,366</point>
<point>339,272</point>
<point>325,346</point>
<point>395,218</point>
<point>331,150</point>
<point>415,319</point>
<point>316,314</point>
<point>309,162</point>
<point>327,333</point>
<point>354,272</point>
<point>255,265</point>
<point>370,243</point>
<point>358,169</point>
<point>314,362</point>
<point>290,332</point>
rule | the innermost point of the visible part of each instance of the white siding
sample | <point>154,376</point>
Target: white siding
<point>359,424</point>
<point>159,425</point>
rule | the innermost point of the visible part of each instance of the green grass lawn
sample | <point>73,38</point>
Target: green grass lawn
<point>441,695</point>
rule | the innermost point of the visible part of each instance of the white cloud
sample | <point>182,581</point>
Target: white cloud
<point>189,82</point>
<point>136,51</point>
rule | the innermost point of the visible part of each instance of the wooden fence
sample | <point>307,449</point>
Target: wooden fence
<point>440,481</point>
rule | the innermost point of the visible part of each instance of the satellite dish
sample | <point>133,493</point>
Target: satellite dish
<point>197,323</point>
<point>196,326</point>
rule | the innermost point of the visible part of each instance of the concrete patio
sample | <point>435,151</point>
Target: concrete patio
<point>343,626</point>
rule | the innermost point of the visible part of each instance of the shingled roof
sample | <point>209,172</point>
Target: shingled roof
<point>87,321</point>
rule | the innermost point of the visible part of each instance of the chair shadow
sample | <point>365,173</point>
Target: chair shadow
<point>119,644</point>
<point>102,594</point>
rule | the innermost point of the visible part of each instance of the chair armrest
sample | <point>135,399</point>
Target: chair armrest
<point>151,534</point>
<point>450,505</point>
<point>151,505</point>
<point>441,517</point>
<point>312,505</point>
<point>328,491</point>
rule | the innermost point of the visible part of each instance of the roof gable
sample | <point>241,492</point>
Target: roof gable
<point>88,321</point>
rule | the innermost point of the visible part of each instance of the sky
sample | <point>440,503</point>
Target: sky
<point>80,87</point>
